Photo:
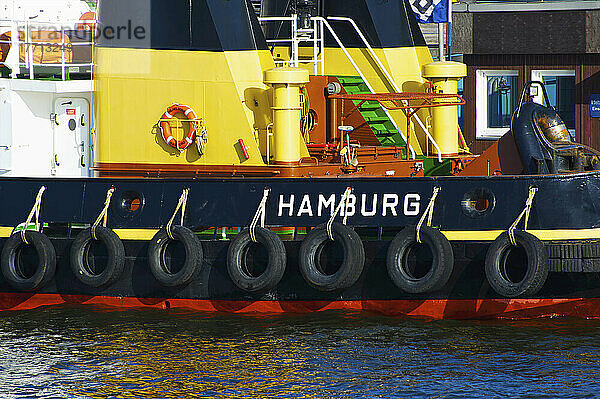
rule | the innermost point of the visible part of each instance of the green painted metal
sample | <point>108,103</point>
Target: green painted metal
<point>373,113</point>
<point>435,168</point>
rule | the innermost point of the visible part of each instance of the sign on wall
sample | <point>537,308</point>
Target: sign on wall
<point>595,105</point>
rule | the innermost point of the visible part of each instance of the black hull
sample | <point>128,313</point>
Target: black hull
<point>565,216</point>
<point>467,295</point>
<point>562,201</point>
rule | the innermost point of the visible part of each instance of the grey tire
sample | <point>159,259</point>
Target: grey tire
<point>439,269</point>
<point>536,265</point>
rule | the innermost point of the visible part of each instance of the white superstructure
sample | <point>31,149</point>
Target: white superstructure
<point>56,11</point>
<point>45,88</point>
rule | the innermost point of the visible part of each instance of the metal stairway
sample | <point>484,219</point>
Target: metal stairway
<point>256,4</point>
<point>373,113</point>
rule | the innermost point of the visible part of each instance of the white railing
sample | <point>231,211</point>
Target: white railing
<point>31,41</point>
<point>313,35</point>
<point>391,81</point>
<point>316,35</point>
<point>364,78</point>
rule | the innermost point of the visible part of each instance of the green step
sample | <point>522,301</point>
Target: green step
<point>370,110</point>
<point>372,114</point>
<point>350,80</point>
<point>384,133</point>
<point>369,105</point>
<point>376,119</point>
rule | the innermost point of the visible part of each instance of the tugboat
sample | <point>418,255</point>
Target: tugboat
<point>188,154</point>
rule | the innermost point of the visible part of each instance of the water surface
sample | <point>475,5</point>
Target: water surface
<point>84,352</point>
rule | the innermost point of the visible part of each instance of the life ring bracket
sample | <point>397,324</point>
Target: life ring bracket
<point>172,128</point>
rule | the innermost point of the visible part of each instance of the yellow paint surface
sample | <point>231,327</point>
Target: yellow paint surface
<point>480,235</point>
<point>225,89</point>
<point>544,235</point>
<point>6,231</point>
<point>136,234</point>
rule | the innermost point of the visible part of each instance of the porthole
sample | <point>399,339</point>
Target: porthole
<point>478,202</point>
<point>130,204</point>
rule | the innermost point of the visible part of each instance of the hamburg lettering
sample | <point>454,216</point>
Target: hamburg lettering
<point>368,205</point>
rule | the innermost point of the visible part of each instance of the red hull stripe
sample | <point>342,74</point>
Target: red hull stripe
<point>432,308</point>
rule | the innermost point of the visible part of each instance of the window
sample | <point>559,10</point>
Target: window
<point>560,86</point>
<point>497,96</point>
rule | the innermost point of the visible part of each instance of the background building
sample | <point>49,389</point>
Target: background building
<point>506,44</point>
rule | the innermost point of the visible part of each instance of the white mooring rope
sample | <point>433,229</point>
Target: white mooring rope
<point>34,211</point>
<point>260,214</point>
<point>104,214</point>
<point>181,204</point>
<point>343,202</point>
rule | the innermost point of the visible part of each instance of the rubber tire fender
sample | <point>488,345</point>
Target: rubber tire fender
<point>537,265</point>
<point>442,263</point>
<point>115,260</point>
<point>193,256</point>
<point>236,262</point>
<point>351,268</point>
<point>46,267</point>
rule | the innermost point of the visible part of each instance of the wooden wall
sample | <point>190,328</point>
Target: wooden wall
<point>587,81</point>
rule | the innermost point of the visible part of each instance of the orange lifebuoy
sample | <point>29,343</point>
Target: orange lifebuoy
<point>165,126</point>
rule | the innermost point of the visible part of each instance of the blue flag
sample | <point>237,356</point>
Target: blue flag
<point>430,11</point>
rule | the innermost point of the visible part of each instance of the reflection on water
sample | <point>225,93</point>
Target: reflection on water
<point>94,353</point>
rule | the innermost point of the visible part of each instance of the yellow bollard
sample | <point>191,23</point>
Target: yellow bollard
<point>445,76</point>
<point>286,83</point>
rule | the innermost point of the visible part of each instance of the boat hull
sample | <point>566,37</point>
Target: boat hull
<point>565,215</point>
<point>562,202</point>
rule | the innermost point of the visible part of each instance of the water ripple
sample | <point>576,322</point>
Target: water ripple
<point>83,353</point>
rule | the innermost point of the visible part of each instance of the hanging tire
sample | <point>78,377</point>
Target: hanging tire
<point>517,271</point>
<point>161,267</point>
<point>240,268</point>
<point>32,276</point>
<point>313,267</point>
<point>83,261</point>
<point>428,274</point>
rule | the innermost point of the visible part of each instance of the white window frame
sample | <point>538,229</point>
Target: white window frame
<point>537,75</point>
<point>481,107</point>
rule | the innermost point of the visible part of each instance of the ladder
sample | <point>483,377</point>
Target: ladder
<point>256,5</point>
<point>313,35</point>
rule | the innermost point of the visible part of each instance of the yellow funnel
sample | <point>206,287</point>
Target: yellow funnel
<point>445,76</point>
